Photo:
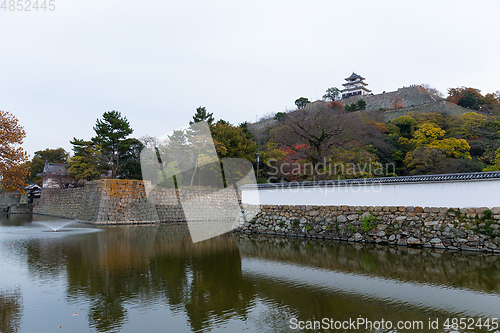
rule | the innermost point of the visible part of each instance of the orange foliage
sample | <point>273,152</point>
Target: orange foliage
<point>381,126</point>
<point>455,98</point>
<point>13,167</point>
<point>336,105</point>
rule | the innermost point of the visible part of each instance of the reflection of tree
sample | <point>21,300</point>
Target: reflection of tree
<point>15,219</point>
<point>125,264</point>
<point>218,289</point>
<point>11,308</point>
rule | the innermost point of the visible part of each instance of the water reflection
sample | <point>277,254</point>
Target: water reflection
<point>11,308</point>
<point>127,278</point>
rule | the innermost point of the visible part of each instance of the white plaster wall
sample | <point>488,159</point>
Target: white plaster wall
<point>461,194</point>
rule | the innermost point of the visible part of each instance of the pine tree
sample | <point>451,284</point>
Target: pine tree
<point>202,115</point>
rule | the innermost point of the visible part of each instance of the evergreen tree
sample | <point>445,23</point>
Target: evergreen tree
<point>111,140</point>
<point>202,115</point>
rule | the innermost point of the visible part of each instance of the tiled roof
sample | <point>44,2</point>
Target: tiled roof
<point>355,76</point>
<point>382,180</point>
<point>55,169</point>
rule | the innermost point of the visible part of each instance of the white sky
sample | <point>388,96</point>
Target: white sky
<point>157,61</point>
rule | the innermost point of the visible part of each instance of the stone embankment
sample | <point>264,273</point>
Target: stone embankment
<point>475,229</point>
<point>114,201</point>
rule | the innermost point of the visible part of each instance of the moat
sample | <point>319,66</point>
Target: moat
<point>61,275</point>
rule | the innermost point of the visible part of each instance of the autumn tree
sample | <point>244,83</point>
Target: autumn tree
<point>432,148</point>
<point>321,129</point>
<point>13,166</point>
<point>466,97</point>
<point>336,105</point>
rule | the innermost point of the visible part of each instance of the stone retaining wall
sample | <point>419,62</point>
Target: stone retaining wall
<point>113,201</point>
<point>476,229</point>
<point>402,98</point>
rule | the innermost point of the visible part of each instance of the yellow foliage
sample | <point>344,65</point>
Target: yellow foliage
<point>426,134</point>
<point>452,147</point>
<point>472,123</point>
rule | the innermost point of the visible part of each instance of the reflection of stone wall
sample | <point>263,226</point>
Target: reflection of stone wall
<point>125,201</point>
<point>477,271</point>
<point>437,227</point>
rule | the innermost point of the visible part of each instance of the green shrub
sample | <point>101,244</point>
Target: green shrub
<point>367,222</point>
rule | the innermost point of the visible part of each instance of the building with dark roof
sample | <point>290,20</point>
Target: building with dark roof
<point>54,175</point>
<point>354,86</point>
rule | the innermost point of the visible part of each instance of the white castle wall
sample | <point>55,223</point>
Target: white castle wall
<point>459,194</point>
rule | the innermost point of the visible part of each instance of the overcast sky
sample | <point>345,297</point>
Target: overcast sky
<point>157,61</point>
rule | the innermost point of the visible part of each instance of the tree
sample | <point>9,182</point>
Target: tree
<point>336,105</point>
<point>321,128</point>
<point>432,151</point>
<point>38,161</point>
<point>111,141</point>
<point>13,167</point>
<point>246,130</point>
<point>358,106</point>
<point>131,168</point>
<point>301,102</point>
<point>466,97</point>
<point>231,141</point>
<point>85,162</point>
<point>202,115</point>
<point>332,94</point>
<point>280,115</point>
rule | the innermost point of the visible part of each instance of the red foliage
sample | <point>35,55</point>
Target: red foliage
<point>455,98</point>
<point>293,163</point>
<point>336,105</point>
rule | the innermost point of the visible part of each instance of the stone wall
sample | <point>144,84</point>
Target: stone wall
<point>56,202</point>
<point>112,201</point>
<point>439,106</point>
<point>102,201</point>
<point>401,98</point>
<point>476,229</point>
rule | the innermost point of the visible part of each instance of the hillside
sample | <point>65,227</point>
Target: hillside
<point>383,107</point>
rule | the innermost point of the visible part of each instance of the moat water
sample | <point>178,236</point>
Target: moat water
<point>86,278</point>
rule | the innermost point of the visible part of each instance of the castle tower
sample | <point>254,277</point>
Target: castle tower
<point>354,86</point>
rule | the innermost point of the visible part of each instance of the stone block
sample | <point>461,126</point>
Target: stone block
<point>341,219</point>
